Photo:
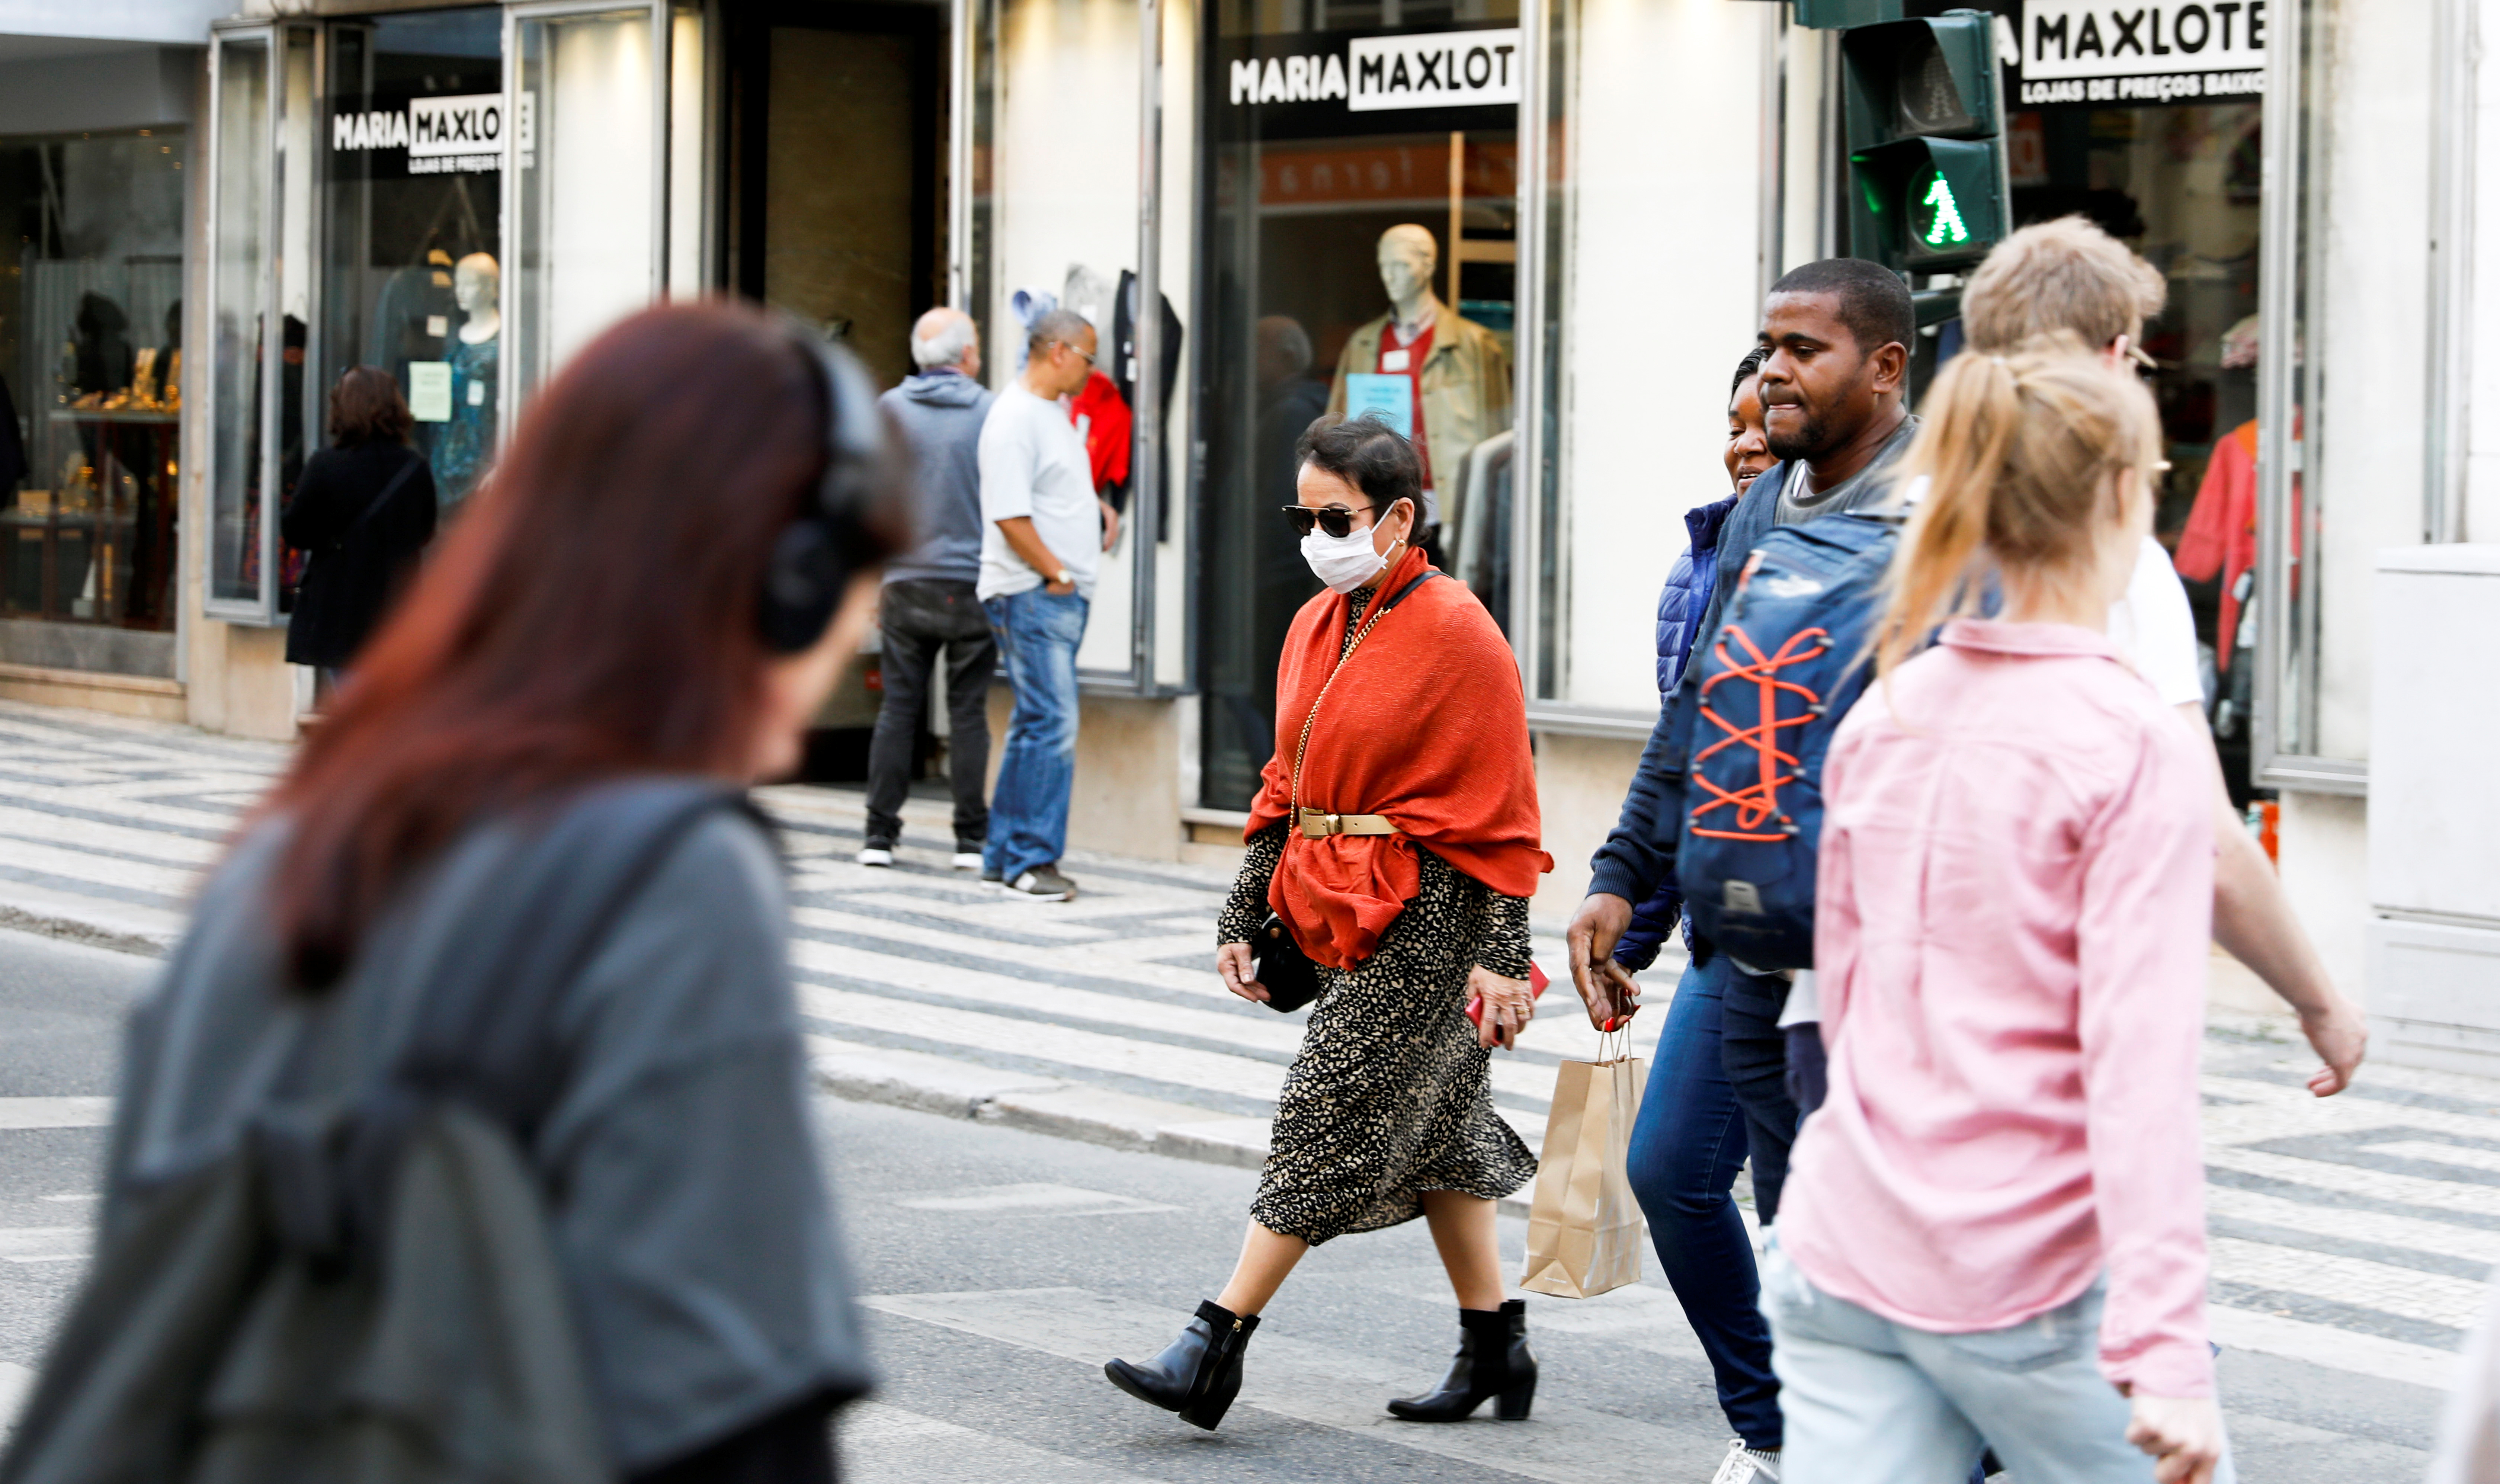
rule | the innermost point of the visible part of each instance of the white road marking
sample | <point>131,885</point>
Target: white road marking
<point>1321,1385</point>
<point>2431,1297</point>
<point>2368,1355</point>
<point>1035,1200</point>
<point>56,1113</point>
<point>884,1444</point>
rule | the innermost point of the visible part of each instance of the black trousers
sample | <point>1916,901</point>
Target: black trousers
<point>1754,1053</point>
<point>918,619</point>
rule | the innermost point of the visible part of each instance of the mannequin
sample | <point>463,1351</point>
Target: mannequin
<point>1459,375</point>
<point>474,353</point>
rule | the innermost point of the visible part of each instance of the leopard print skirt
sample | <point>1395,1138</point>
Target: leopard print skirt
<point>1390,1094</point>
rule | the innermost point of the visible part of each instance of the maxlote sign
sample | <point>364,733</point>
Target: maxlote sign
<point>1431,70</point>
<point>442,136</point>
<point>2079,51</point>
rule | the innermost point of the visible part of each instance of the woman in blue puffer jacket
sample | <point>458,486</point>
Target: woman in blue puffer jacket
<point>1680,604</point>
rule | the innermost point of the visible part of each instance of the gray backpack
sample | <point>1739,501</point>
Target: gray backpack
<point>365,1288</point>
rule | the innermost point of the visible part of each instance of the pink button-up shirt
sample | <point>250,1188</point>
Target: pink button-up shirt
<point>2012,918</point>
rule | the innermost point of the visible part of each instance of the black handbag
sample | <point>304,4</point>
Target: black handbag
<point>1280,967</point>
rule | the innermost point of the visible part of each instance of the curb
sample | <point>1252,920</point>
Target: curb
<point>1038,1104</point>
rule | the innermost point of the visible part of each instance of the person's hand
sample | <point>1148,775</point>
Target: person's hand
<point>1059,589</point>
<point>1233,963</point>
<point>2339,1035</point>
<point>1509,1005</point>
<point>1590,940</point>
<point>1110,523</point>
<point>2184,1434</point>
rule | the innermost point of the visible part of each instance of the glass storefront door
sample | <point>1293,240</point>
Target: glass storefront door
<point>1357,256</point>
<point>412,221</point>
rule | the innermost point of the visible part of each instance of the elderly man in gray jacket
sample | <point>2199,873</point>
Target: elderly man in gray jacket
<point>929,604</point>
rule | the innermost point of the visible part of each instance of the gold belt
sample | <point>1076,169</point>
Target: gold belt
<point>1319,826</point>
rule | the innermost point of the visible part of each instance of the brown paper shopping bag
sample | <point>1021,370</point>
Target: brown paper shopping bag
<point>1584,1227</point>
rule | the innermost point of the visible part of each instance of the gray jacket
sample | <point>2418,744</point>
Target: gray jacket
<point>685,1197</point>
<point>942,413</point>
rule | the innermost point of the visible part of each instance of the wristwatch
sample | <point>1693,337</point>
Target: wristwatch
<point>1065,579</point>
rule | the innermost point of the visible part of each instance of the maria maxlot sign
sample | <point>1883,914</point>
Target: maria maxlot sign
<point>1308,84</point>
<point>2145,52</point>
<point>435,136</point>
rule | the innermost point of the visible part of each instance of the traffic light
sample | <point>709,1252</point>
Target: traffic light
<point>1925,114</point>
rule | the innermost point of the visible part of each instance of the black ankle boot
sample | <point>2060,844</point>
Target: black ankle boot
<point>1493,1361</point>
<point>1198,1374</point>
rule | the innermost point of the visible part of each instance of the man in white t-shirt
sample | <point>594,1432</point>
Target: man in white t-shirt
<point>2069,275</point>
<point>1043,529</point>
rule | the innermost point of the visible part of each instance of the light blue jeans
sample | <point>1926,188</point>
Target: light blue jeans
<point>1037,635</point>
<point>1870,1402</point>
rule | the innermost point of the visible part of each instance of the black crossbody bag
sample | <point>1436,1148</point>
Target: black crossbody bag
<point>1277,962</point>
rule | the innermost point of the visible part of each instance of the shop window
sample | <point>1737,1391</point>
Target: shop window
<point>91,377</point>
<point>413,225</point>
<point>1359,252</point>
<point>366,170</point>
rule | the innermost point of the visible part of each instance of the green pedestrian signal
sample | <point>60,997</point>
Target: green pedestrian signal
<point>1924,108</point>
<point>1944,226</point>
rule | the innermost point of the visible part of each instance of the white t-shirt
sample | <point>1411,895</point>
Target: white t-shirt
<point>1033,464</point>
<point>2152,628</point>
<point>2150,625</point>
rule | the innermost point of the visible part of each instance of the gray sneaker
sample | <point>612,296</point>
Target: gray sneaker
<point>1042,884</point>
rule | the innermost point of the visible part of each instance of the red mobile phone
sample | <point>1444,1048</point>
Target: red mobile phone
<point>1536,983</point>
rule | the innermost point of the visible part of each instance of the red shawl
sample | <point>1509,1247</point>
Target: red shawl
<point>1429,727</point>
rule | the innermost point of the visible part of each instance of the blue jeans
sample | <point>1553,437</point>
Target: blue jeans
<point>1038,633</point>
<point>1686,1149</point>
<point>1871,1402</point>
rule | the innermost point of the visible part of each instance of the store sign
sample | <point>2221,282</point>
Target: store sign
<point>2080,51</point>
<point>1430,70</point>
<point>442,135</point>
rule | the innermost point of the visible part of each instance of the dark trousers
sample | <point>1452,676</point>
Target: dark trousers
<point>918,618</point>
<point>1686,1149</point>
<point>1757,1056</point>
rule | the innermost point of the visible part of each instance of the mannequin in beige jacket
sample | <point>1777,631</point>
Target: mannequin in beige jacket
<point>1466,376</point>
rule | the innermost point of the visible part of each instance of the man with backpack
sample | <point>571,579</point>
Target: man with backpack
<point>1833,384</point>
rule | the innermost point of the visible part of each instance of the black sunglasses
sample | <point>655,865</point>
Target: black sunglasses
<point>1336,519</point>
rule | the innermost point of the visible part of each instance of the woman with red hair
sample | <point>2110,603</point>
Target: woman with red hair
<point>655,589</point>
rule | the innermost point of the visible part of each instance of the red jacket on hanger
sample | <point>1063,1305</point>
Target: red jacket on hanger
<point>1104,423</point>
<point>2222,535</point>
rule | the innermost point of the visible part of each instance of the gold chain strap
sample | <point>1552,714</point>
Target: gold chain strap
<point>1293,818</point>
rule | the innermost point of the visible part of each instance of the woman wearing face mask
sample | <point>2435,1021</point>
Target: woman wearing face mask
<point>1395,834</point>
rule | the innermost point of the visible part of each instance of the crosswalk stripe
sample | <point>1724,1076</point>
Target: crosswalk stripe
<point>1319,1384</point>
<point>884,1444</point>
<point>2471,1243</point>
<point>2368,1355</point>
<point>2354,1180</point>
<point>104,871</point>
<point>2433,1152</point>
<point>1274,1034</point>
<point>56,1113</point>
<point>2430,1296</point>
<point>178,850</point>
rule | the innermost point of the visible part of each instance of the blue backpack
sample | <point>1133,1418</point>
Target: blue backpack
<point>1787,663</point>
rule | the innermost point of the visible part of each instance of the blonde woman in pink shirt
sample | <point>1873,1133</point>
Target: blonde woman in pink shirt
<point>1993,1231</point>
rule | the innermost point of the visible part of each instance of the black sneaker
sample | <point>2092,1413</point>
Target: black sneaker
<point>1043,883</point>
<point>968,856</point>
<point>877,852</point>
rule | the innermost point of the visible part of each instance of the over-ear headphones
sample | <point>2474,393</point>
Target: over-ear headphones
<point>816,556</point>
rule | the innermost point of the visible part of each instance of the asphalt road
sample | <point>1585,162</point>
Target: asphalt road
<point>1001,1267</point>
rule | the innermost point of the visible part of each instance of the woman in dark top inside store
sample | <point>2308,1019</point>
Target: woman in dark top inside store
<point>362,515</point>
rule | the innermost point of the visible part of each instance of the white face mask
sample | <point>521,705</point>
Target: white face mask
<point>1344,562</point>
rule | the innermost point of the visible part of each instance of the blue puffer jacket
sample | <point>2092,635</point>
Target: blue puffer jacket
<point>1680,606</point>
